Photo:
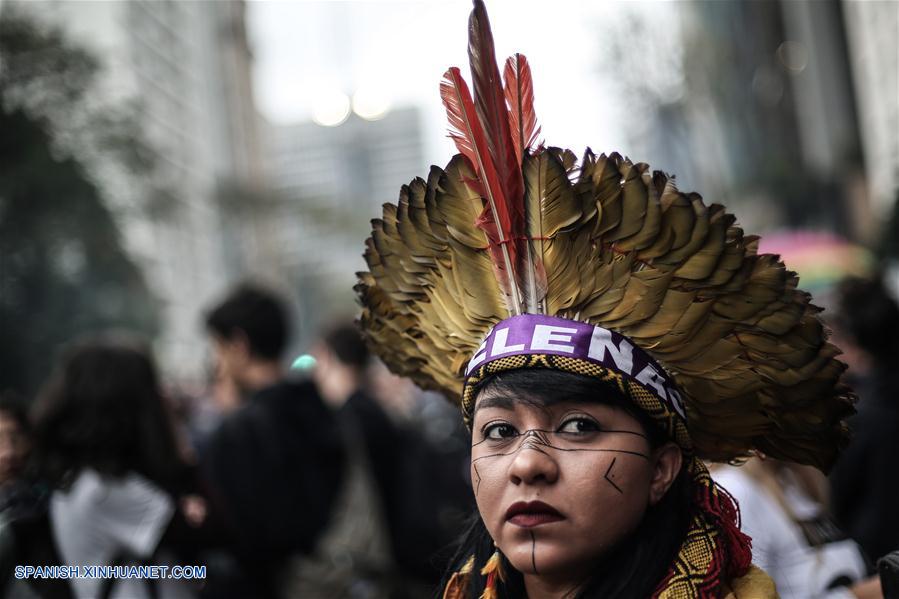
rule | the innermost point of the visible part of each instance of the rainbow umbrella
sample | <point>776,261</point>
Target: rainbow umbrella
<point>820,258</point>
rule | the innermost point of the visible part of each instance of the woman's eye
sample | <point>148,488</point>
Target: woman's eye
<point>499,431</point>
<point>579,426</point>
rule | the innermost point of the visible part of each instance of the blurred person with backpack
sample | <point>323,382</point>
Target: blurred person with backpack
<point>408,480</point>
<point>105,446</point>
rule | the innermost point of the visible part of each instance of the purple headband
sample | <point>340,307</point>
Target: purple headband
<point>530,334</point>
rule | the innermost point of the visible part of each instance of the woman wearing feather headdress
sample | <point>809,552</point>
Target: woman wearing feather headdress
<point>607,333</point>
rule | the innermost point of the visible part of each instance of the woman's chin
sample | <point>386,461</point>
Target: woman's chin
<point>543,559</point>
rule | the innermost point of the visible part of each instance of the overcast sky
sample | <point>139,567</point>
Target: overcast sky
<point>400,50</point>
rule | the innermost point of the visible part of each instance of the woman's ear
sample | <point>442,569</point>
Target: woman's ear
<point>667,461</point>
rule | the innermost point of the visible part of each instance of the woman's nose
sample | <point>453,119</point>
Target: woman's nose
<point>533,463</point>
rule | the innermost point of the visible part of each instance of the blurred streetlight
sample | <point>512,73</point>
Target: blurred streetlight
<point>370,104</point>
<point>331,107</point>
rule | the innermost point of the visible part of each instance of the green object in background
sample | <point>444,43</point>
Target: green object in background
<point>303,362</point>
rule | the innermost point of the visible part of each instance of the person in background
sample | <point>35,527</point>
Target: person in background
<point>438,486</point>
<point>865,490</point>
<point>341,370</point>
<point>428,412</point>
<point>15,444</point>
<point>783,507</point>
<point>104,443</point>
<point>399,397</point>
<point>355,557</point>
<point>415,482</point>
<point>275,462</point>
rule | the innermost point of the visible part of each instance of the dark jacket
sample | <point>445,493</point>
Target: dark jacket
<point>865,488</point>
<point>274,467</point>
<point>417,485</point>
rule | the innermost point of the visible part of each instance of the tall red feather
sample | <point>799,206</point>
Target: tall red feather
<point>490,103</point>
<point>469,136</point>
<point>520,98</point>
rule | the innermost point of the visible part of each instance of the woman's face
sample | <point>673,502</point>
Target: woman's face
<point>13,447</point>
<point>559,485</point>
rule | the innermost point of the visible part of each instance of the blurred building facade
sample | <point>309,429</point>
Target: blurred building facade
<point>331,182</point>
<point>784,111</point>
<point>871,29</point>
<point>185,66</point>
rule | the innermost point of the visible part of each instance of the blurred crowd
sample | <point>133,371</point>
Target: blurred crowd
<point>335,478</point>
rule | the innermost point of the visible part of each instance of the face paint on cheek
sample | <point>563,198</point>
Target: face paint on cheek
<point>608,478</point>
<point>477,472</point>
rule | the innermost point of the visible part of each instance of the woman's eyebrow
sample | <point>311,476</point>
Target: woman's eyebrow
<point>502,402</point>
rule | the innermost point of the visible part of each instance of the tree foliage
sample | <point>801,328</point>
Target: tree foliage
<point>63,269</point>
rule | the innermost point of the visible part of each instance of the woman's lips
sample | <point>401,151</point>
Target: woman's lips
<point>532,513</point>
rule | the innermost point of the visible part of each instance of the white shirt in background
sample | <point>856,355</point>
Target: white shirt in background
<point>100,518</point>
<point>779,546</point>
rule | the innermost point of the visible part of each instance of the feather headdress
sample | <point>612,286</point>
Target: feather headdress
<point>510,227</point>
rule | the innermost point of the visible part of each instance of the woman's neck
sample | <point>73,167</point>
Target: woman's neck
<point>544,587</point>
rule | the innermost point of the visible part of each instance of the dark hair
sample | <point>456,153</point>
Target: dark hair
<point>103,409</point>
<point>258,314</point>
<point>346,342</point>
<point>871,317</point>
<point>640,562</point>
